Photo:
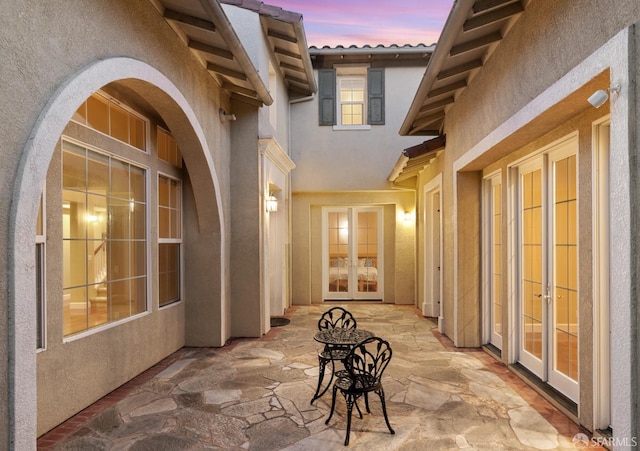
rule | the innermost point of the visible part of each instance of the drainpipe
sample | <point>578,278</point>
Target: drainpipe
<point>219,18</point>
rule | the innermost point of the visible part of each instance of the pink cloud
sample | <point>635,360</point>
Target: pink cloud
<point>370,22</point>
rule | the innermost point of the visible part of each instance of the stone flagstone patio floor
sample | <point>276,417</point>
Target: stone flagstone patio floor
<point>253,394</point>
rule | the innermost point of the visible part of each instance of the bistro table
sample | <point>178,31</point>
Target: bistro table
<point>340,341</point>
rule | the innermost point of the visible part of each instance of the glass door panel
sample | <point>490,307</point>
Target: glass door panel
<point>495,263</point>
<point>564,368</point>
<point>338,233</point>
<point>353,237</point>
<point>532,311</point>
<point>367,258</point>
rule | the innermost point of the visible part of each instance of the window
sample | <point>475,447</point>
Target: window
<point>168,150</point>
<point>351,96</point>
<point>106,115</point>
<point>104,238</point>
<point>351,105</point>
<point>40,277</point>
<point>169,239</point>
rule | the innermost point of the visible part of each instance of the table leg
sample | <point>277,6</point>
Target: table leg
<point>322,363</point>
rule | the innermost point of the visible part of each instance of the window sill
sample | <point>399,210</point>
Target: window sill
<point>351,127</point>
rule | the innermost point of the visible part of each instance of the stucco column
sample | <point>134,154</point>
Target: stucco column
<point>468,299</point>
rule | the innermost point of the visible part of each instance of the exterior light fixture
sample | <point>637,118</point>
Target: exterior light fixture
<point>272,203</point>
<point>599,97</point>
<point>226,117</point>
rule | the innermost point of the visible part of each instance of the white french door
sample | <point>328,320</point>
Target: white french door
<point>493,254</point>
<point>547,221</point>
<point>352,252</point>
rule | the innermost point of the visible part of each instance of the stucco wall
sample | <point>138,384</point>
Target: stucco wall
<point>532,91</point>
<point>44,46</point>
<point>399,246</point>
<point>326,158</point>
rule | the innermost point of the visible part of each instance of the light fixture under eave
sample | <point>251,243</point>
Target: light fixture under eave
<point>226,117</point>
<point>272,204</point>
<point>599,97</point>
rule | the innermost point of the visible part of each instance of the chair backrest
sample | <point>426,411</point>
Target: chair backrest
<point>336,318</point>
<point>367,361</point>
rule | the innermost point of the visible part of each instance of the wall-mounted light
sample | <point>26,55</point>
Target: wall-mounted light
<point>225,117</point>
<point>272,203</point>
<point>408,217</point>
<point>599,97</point>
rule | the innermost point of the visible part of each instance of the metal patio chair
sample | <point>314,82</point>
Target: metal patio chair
<point>365,363</point>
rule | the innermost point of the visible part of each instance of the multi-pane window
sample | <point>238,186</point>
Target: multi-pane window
<point>104,238</point>
<point>352,96</point>
<point>107,116</point>
<point>169,239</point>
<point>168,150</point>
<point>40,277</point>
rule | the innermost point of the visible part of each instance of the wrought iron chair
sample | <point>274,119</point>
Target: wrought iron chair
<point>365,365</point>
<point>334,318</point>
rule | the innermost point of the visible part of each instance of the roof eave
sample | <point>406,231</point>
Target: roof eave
<point>458,15</point>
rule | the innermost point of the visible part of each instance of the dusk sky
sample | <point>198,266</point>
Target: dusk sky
<point>373,22</point>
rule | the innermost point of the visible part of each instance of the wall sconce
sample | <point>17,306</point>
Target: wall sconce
<point>599,97</point>
<point>408,217</point>
<point>224,117</point>
<point>272,203</point>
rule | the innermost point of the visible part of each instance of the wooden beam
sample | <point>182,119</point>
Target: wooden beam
<point>493,16</point>
<point>211,50</point>
<point>284,37</point>
<point>301,81</point>
<point>485,5</point>
<point>423,132</point>
<point>429,120</point>
<point>292,67</point>
<point>284,52</point>
<point>445,89</point>
<point>475,43</point>
<point>239,89</point>
<point>436,105</point>
<point>226,71</point>
<point>177,16</point>
<point>462,68</point>
<point>245,99</point>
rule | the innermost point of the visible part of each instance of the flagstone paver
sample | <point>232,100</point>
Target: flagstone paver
<point>253,394</point>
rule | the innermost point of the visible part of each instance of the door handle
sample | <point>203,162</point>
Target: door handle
<point>546,297</point>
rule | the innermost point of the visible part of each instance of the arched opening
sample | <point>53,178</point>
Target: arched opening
<point>203,321</point>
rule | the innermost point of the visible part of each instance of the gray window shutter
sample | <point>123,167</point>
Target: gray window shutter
<point>327,96</point>
<point>375,86</point>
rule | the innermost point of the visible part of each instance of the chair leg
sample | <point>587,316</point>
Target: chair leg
<point>350,400</point>
<point>333,404</point>
<point>358,408</point>
<point>384,410</point>
<point>366,402</point>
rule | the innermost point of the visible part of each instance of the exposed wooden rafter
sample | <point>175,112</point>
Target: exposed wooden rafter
<point>211,50</point>
<point>493,16</point>
<point>186,19</point>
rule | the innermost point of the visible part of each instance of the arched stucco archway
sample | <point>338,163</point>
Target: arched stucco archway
<point>176,110</point>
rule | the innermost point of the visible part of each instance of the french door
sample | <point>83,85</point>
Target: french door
<point>352,252</point>
<point>548,267</point>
